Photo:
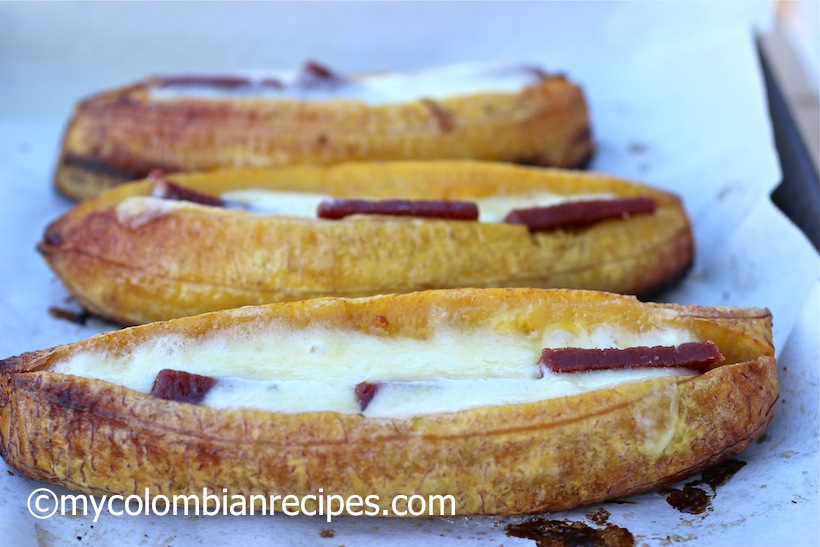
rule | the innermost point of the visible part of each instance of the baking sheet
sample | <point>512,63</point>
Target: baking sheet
<point>677,101</point>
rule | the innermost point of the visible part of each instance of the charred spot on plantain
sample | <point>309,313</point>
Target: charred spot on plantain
<point>75,400</point>
<point>5,390</point>
<point>443,118</point>
<point>53,238</point>
<point>121,168</point>
<point>582,135</point>
<point>206,457</point>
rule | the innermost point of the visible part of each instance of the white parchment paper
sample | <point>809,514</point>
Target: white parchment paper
<point>677,101</point>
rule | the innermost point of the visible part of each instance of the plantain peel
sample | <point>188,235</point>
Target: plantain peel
<point>501,113</point>
<point>83,415</point>
<point>135,259</point>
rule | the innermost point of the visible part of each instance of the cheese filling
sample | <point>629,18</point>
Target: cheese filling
<point>287,370</point>
<point>490,208</point>
<point>137,210</point>
<point>375,88</point>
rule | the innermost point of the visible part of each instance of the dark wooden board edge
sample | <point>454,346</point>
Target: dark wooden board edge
<point>798,194</point>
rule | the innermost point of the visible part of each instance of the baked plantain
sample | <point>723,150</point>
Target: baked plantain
<point>83,416</point>
<point>491,112</point>
<point>134,258</point>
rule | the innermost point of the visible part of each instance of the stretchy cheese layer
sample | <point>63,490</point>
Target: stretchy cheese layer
<point>376,88</point>
<point>137,210</point>
<point>314,369</point>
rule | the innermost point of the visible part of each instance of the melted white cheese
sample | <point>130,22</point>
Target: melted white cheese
<point>135,211</point>
<point>282,369</point>
<point>375,88</point>
<point>490,209</point>
<point>275,202</point>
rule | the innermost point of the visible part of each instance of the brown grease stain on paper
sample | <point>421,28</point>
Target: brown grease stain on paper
<point>694,500</point>
<point>556,533</point>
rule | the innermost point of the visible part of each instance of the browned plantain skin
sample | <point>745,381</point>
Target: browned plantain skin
<point>200,259</point>
<point>98,438</point>
<point>120,135</point>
